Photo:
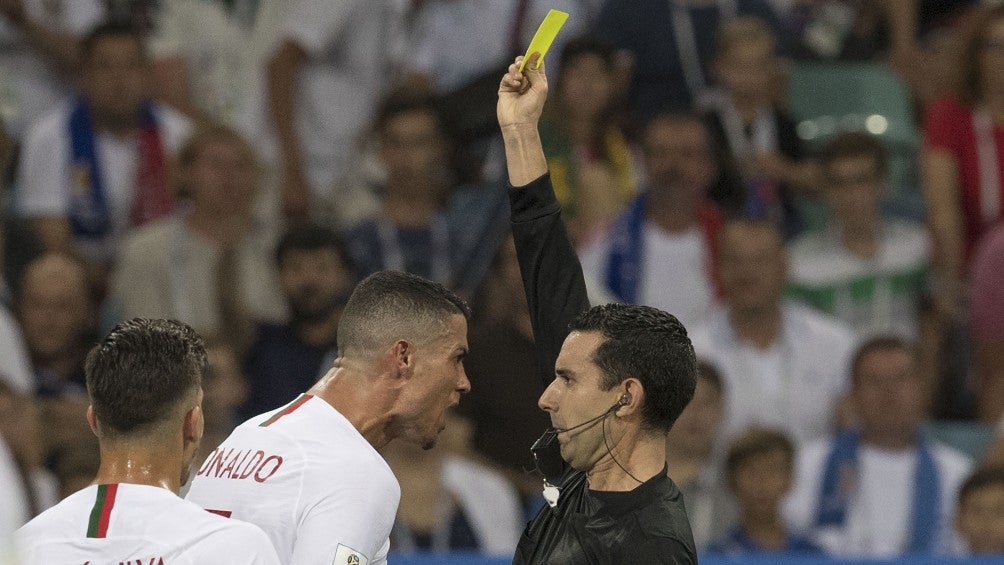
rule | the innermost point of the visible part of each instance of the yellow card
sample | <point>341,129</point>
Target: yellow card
<point>545,35</point>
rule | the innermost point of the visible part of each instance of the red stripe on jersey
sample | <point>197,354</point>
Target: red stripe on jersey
<point>293,406</point>
<point>224,513</point>
<point>97,526</point>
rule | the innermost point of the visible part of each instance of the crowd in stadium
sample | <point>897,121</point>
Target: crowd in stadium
<point>814,188</point>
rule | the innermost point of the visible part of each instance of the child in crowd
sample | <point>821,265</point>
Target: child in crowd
<point>980,519</point>
<point>759,467</point>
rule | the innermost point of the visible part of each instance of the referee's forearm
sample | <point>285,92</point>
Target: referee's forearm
<point>524,153</point>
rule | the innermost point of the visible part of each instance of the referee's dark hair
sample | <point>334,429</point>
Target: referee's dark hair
<point>649,345</point>
<point>140,373</point>
<point>390,305</point>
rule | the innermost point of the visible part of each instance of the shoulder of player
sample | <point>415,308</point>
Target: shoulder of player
<point>63,516</point>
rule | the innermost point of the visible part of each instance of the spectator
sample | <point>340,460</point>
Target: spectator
<point>784,365</point>
<point>980,518</point>
<point>324,79</point>
<point>98,164</point>
<point>961,164</point>
<point>882,489</point>
<point>424,226</point>
<point>208,56</point>
<point>660,252</point>
<point>206,265</point>
<point>693,465</point>
<point>449,500</point>
<point>225,388</point>
<point>868,271</point>
<point>592,166</point>
<point>15,365</point>
<point>76,466</point>
<point>500,358</point>
<point>760,466</point>
<point>26,487</point>
<point>454,42</point>
<point>671,43</point>
<point>57,313</point>
<point>754,135</point>
<point>315,277</point>
<point>986,312</point>
<point>39,46</point>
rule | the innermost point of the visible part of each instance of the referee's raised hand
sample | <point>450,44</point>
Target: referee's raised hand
<point>521,101</point>
<point>522,95</point>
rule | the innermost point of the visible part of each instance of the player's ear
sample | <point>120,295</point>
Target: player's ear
<point>92,420</point>
<point>403,353</point>
<point>194,424</point>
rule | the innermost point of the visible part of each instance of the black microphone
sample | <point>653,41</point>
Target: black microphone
<point>547,457</point>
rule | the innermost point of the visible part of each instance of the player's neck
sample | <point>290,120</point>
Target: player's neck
<point>366,407</point>
<point>140,464</point>
<point>641,454</point>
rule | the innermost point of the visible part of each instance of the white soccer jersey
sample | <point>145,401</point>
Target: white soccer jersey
<point>127,523</point>
<point>307,477</point>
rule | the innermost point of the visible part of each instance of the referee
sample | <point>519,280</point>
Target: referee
<point>618,379</point>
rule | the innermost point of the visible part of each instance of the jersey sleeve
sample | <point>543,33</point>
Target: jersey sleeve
<point>552,276</point>
<point>661,551</point>
<point>353,519</point>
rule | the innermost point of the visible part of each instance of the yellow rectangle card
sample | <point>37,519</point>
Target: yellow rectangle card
<point>545,35</point>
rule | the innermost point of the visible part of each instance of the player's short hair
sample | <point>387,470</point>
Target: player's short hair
<point>389,305</point>
<point>874,345</point>
<point>755,442</point>
<point>311,237</point>
<point>140,372</point>
<point>981,479</point>
<point>112,29</point>
<point>854,144</point>
<point>649,345</point>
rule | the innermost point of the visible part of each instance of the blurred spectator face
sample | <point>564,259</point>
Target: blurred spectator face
<point>992,58</point>
<point>888,395</point>
<point>412,146</point>
<point>748,69</point>
<point>678,153</point>
<point>114,75</point>
<point>751,265</point>
<point>55,307</point>
<point>585,86</point>
<point>695,430</point>
<point>854,188</point>
<point>222,178</point>
<point>981,519</point>
<point>315,283</point>
<point>761,482</point>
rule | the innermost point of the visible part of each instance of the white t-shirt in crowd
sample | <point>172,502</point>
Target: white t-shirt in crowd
<point>794,385</point>
<point>455,42</point>
<point>879,516</point>
<point>674,271</point>
<point>223,50</point>
<point>307,477</point>
<point>29,85</point>
<point>120,523</point>
<point>15,366</point>
<point>46,180</point>
<point>341,82</point>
